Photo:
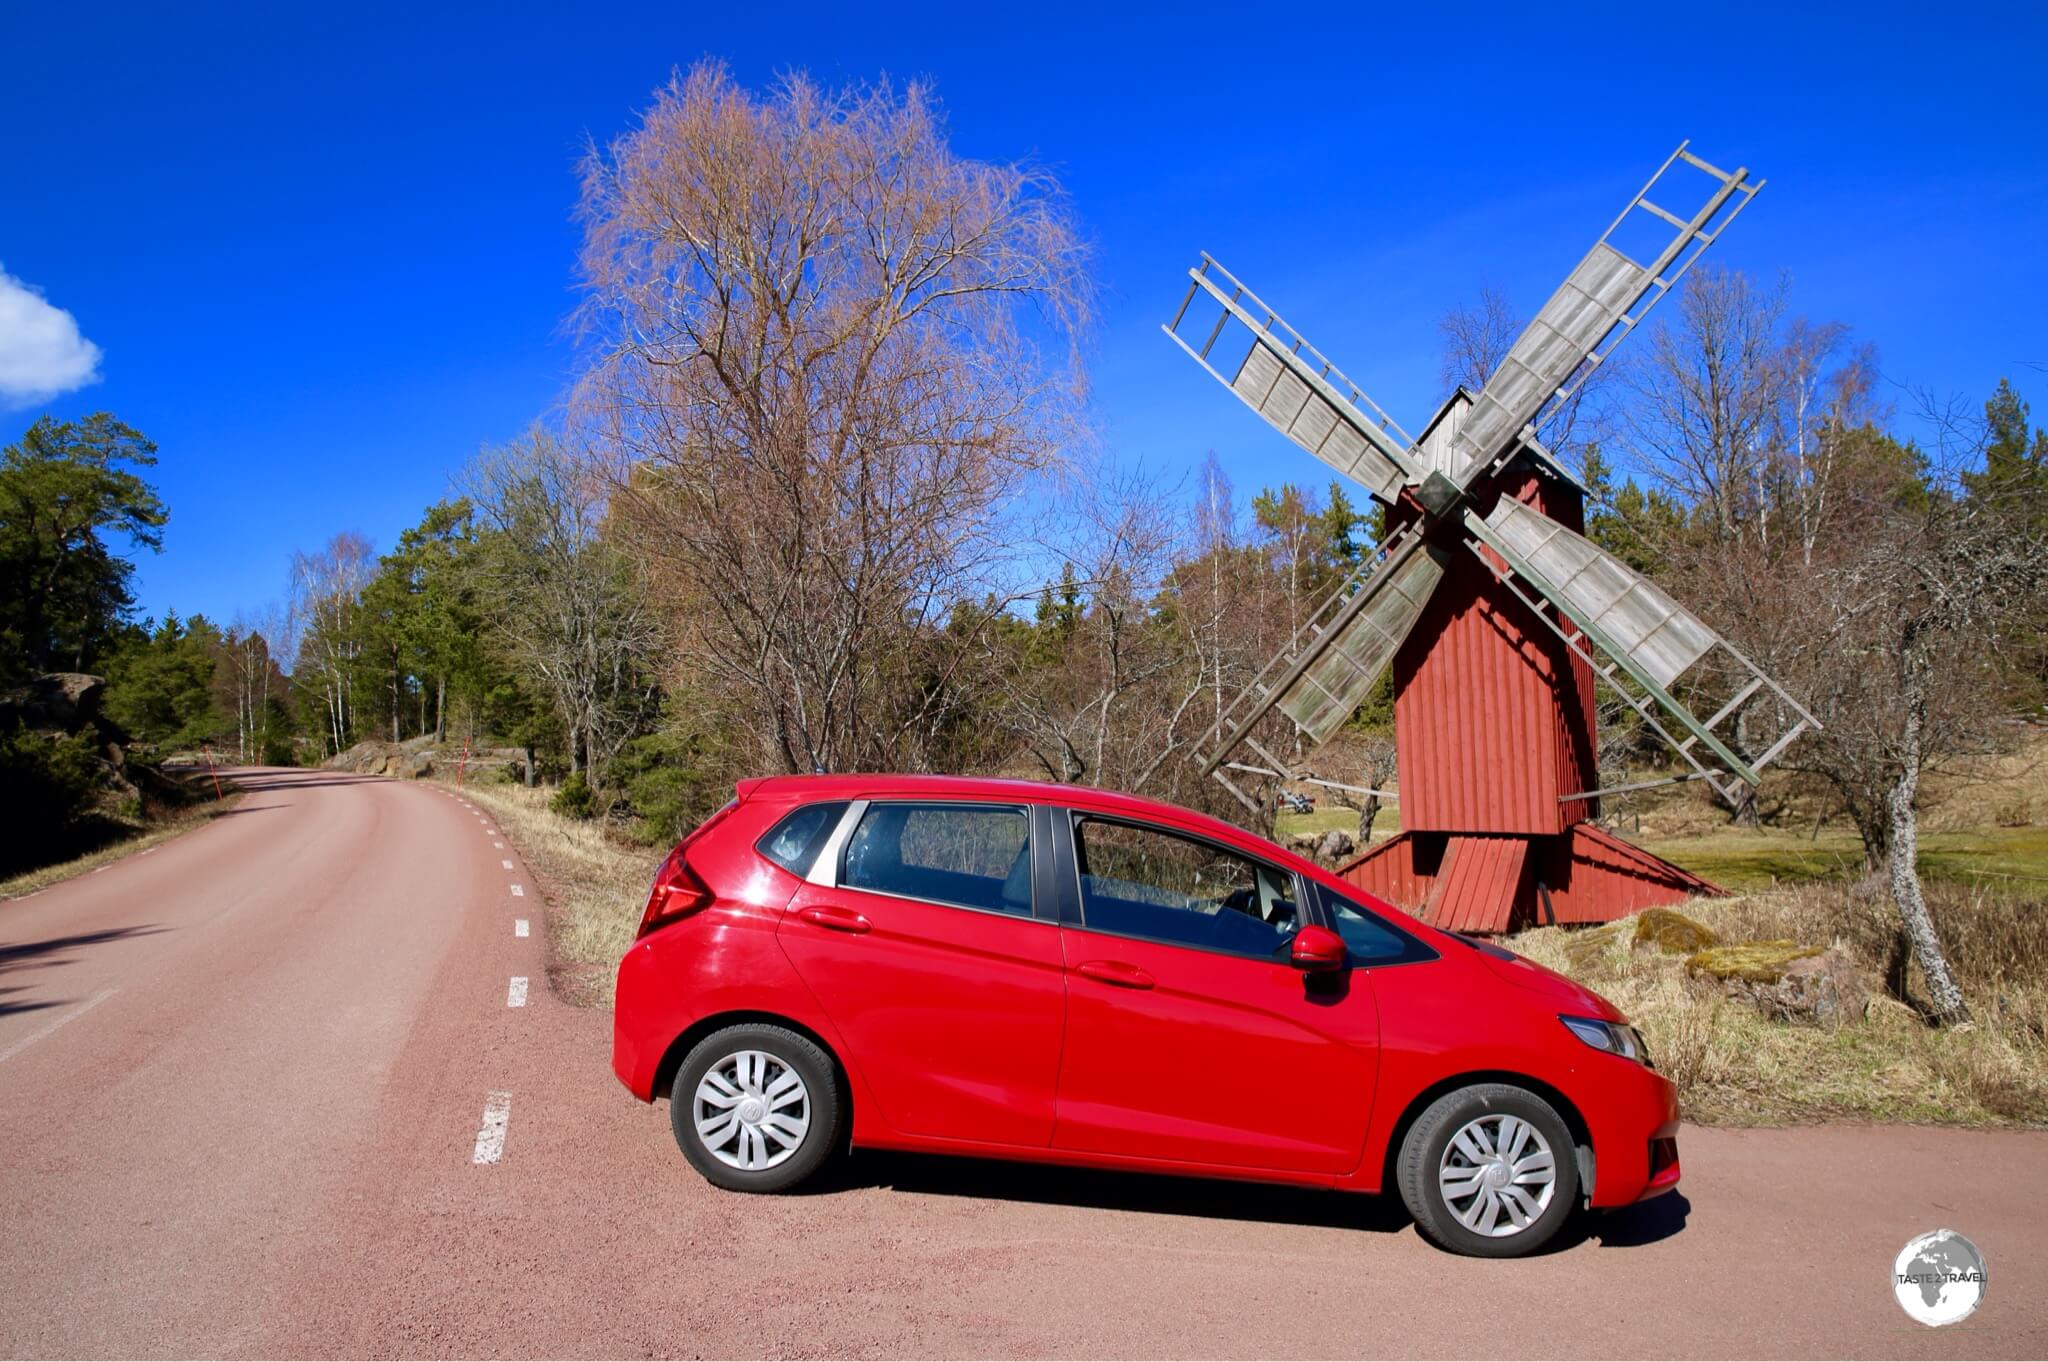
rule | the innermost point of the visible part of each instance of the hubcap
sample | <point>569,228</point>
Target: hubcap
<point>751,1110</point>
<point>1497,1175</point>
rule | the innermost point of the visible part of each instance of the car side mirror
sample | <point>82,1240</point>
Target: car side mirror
<point>1317,950</point>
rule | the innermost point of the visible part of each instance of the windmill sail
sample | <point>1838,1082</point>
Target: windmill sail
<point>1324,674</point>
<point>1283,378</point>
<point>1643,632</point>
<point>1598,304</point>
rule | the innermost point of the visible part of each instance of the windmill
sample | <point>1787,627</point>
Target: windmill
<point>1496,614</point>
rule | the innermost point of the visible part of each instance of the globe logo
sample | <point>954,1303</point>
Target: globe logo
<point>1938,1278</point>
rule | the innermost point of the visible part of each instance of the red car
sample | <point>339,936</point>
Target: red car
<point>1022,971</point>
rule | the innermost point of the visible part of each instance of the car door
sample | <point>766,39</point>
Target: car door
<point>1189,1035</point>
<point>917,933</point>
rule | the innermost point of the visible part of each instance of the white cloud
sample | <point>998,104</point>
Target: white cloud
<point>41,352</point>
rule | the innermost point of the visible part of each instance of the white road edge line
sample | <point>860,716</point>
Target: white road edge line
<point>518,891</point>
<point>73,1015</point>
<point>490,1137</point>
<point>519,927</point>
<point>515,992</point>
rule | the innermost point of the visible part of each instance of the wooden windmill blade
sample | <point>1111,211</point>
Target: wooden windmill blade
<point>1283,378</point>
<point>1621,622</point>
<point>1644,251</point>
<point>1331,663</point>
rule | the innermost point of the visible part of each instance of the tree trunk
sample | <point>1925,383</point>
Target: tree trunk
<point>441,711</point>
<point>1368,814</point>
<point>529,766</point>
<point>1946,994</point>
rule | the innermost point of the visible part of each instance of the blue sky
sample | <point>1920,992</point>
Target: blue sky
<point>326,252</point>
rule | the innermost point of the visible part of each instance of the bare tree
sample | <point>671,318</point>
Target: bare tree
<point>820,359</point>
<point>1476,338</point>
<point>1700,398</point>
<point>560,593</point>
<point>1088,708</point>
<point>326,592</point>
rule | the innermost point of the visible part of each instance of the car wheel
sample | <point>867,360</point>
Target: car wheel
<point>756,1108</point>
<point>1489,1171</point>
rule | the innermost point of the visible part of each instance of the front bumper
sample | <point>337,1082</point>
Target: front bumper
<point>1635,1140</point>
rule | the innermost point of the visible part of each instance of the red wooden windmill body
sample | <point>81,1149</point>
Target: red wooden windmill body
<point>1495,614</point>
<point>1495,731</point>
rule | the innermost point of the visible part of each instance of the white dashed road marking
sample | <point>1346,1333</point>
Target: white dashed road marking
<point>518,891</point>
<point>506,864</point>
<point>515,992</point>
<point>499,845</point>
<point>47,1028</point>
<point>519,927</point>
<point>490,1137</point>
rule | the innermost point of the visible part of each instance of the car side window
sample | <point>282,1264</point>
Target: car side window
<point>1369,940</point>
<point>794,842</point>
<point>1143,881</point>
<point>965,855</point>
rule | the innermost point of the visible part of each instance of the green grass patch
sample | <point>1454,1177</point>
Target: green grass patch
<point>1757,860</point>
<point>1336,818</point>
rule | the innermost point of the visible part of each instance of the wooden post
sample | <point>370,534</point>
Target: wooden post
<point>208,749</point>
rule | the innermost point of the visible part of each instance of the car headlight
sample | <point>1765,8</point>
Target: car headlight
<point>1615,1038</point>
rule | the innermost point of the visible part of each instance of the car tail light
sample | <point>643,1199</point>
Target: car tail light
<point>677,893</point>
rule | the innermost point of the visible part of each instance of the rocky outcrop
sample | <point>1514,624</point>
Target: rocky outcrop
<point>420,758</point>
<point>60,702</point>
<point>1786,981</point>
<point>1335,846</point>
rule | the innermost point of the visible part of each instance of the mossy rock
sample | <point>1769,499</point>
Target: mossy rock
<point>1673,932</point>
<point>1753,962</point>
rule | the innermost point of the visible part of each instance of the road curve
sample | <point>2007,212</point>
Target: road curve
<point>243,1079</point>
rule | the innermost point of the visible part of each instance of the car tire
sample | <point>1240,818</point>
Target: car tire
<point>734,1115</point>
<point>1471,1173</point>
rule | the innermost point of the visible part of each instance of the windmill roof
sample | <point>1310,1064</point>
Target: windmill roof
<point>1539,454</point>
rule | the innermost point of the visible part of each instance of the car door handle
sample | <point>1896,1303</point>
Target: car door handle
<point>838,919</point>
<point>1115,972</point>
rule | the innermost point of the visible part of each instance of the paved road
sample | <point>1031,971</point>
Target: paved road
<point>242,1079</point>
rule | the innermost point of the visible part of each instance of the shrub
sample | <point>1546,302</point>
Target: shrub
<point>46,787</point>
<point>575,799</point>
<point>668,786</point>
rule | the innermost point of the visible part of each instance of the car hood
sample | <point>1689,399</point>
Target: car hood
<point>1568,997</point>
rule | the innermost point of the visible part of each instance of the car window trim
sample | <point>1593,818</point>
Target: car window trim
<point>761,842</point>
<point>827,871</point>
<point>1419,952</point>
<point>1080,920</point>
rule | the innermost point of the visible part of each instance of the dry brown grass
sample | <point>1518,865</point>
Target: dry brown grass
<point>595,888</point>
<point>1732,1066</point>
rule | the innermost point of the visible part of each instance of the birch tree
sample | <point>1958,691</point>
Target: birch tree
<point>828,355</point>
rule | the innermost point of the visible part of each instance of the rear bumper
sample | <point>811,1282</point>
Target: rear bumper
<point>642,1031</point>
